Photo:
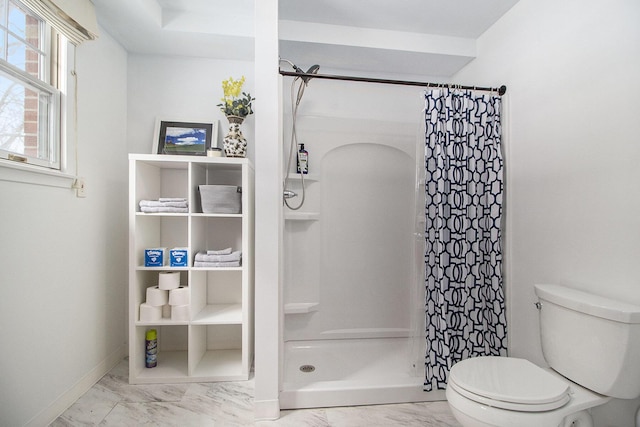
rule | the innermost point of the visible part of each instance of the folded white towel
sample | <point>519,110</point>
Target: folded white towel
<point>234,256</point>
<point>172,199</point>
<point>226,251</point>
<point>216,264</point>
<point>158,203</point>
<point>163,209</point>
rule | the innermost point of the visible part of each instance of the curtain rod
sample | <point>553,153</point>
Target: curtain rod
<point>501,90</point>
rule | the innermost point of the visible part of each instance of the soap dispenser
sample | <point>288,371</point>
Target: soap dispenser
<point>303,160</point>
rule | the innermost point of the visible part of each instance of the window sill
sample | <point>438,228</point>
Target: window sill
<point>28,174</point>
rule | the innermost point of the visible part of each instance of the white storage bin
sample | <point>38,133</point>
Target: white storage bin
<point>222,199</point>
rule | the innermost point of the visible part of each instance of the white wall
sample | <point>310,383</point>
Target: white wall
<point>180,88</point>
<point>572,70</point>
<point>64,259</point>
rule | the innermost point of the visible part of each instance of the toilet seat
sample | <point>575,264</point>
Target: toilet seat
<point>509,383</point>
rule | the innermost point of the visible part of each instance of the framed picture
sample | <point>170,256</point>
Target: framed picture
<point>185,138</point>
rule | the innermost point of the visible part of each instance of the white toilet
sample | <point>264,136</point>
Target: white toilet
<point>592,345</point>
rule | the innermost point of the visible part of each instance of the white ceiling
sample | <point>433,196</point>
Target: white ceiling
<point>418,37</point>
<point>458,18</point>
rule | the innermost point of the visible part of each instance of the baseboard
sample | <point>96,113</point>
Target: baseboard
<point>266,410</point>
<point>62,403</point>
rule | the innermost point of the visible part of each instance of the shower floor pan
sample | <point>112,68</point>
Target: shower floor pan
<point>349,372</point>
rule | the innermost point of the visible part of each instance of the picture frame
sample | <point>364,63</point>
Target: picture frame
<point>191,138</point>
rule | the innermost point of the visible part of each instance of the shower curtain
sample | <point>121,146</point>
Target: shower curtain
<point>465,306</point>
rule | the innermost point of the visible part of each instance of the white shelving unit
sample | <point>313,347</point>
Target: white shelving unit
<point>216,342</point>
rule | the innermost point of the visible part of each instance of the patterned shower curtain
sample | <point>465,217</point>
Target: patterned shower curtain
<point>465,306</point>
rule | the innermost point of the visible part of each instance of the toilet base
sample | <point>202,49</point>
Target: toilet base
<point>473,414</point>
<point>579,419</point>
<point>468,421</point>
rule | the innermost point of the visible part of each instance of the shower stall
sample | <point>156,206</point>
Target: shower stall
<point>353,252</point>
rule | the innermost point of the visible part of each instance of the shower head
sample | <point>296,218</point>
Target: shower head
<point>312,70</point>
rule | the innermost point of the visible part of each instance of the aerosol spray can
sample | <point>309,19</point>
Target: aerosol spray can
<point>151,354</point>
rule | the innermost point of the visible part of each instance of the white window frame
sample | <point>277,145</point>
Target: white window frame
<point>20,168</point>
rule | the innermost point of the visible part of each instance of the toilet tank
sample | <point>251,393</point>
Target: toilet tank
<point>592,340</point>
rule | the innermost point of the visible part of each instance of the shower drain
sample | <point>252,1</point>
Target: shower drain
<point>307,368</point>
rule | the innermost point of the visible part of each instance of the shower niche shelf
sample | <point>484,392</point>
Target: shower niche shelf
<point>214,341</point>
<point>300,307</point>
<point>311,177</point>
<point>302,216</point>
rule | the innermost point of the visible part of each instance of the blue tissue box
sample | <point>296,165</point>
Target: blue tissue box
<point>154,257</point>
<point>178,257</point>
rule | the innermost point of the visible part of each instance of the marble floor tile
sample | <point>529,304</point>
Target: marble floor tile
<point>424,414</point>
<point>298,418</point>
<point>229,403</point>
<point>90,409</point>
<point>117,380</point>
<point>112,401</point>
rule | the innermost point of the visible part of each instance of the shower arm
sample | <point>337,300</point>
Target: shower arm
<point>294,66</point>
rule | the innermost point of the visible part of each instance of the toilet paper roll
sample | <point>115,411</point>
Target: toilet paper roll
<point>180,312</point>
<point>179,296</point>
<point>150,313</point>
<point>168,280</point>
<point>156,296</point>
<point>166,311</point>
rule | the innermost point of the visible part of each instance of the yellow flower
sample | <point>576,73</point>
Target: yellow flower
<point>232,103</point>
<point>232,87</point>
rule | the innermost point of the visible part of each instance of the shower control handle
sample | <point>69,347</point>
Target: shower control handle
<point>288,194</point>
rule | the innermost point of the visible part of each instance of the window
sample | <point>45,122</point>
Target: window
<point>29,100</point>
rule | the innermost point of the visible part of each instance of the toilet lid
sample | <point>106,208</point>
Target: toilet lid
<point>509,383</point>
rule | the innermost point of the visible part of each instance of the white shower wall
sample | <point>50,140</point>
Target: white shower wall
<point>354,307</point>
<point>349,249</point>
